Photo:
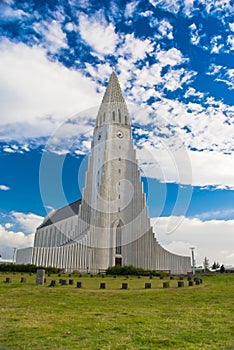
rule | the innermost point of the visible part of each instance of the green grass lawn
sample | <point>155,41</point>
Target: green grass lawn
<point>66,317</point>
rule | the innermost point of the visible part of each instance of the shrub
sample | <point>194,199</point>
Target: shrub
<point>132,270</point>
<point>26,268</point>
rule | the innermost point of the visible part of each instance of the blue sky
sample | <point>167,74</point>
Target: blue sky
<point>174,61</point>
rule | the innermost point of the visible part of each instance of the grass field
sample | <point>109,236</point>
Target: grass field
<point>66,317</point>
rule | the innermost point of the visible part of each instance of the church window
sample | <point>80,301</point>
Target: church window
<point>119,171</point>
<point>119,196</point>
<point>113,115</point>
<point>119,115</point>
<point>126,121</point>
<point>100,119</point>
<point>119,158</point>
<point>118,240</point>
<point>119,210</point>
<point>119,183</point>
<point>104,116</point>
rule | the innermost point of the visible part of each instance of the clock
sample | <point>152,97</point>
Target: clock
<point>119,134</point>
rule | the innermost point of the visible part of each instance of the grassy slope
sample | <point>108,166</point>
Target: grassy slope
<point>64,317</point>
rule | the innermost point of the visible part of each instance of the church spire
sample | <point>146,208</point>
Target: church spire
<point>113,109</point>
<point>113,91</point>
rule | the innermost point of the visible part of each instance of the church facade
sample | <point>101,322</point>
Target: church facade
<point>110,225</point>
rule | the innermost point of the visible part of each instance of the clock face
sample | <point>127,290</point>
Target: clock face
<point>119,134</point>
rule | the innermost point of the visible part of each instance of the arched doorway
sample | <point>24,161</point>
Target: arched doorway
<point>118,244</point>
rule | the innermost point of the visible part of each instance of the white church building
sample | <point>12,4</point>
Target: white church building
<point>110,225</point>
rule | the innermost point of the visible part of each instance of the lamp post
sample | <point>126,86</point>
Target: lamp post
<point>14,255</point>
<point>193,260</point>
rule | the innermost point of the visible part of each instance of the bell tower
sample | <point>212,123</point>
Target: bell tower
<point>113,191</point>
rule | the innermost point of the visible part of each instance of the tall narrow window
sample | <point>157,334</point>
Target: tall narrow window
<point>126,121</point>
<point>113,115</point>
<point>119,115</point>
<point>104,117</point>
<point>118,240</point>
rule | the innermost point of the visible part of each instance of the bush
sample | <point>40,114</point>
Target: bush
<point>132,270</point>
<point>26,268</point>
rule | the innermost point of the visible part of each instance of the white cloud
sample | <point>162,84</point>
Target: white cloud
<point>8,14</point>
<point>13,148</point>
<point>84,4</point>
<point>216,44</point>
<point>192,92</point>
<point>172,57</point>
<point>188,7</point>
<point>10,240</point>
<point>230,41</point>
<point>130,8</point>
<point>213,239</point>
<point>97,33</point>
<point>217,214</point>
<point>146,13</point>
<point>20,237</point>
<point>4,188</point>
<point>28,222</point>
<point>54,37</point>
<point>8,149</point>
<point>223,74</point>
<point>174,79</point>
<point>211,168</point>
<point>8,225</point>
<point>186,135</point>
<point>70,27</point>
<point>166,29</point>
<point>217,7</point>
<point>231,25</point>
<point>214,69</point>
<point>65,139</point>
<point>195,37</point>
<point>48,92</point>
<point>170,6</point>
<point>36,94</point>
<point>135,48</point>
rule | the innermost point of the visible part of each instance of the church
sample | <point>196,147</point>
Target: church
<point>110,225</point>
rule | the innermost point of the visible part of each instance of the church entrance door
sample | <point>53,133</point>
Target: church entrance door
<point>118,261</point>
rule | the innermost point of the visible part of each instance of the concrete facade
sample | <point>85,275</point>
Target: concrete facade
<point>110,225</point>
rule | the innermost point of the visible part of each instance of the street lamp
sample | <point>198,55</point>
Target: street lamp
<point>14,255</point>
<point>193,260</point>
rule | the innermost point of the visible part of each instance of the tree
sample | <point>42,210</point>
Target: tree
<point>222,269</point>
<point>215,266</point>
<point>206,264</point>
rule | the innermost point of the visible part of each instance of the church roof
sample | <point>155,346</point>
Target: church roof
<point>113,91</point>
<point>61,214</point>
<point>113,109</point>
